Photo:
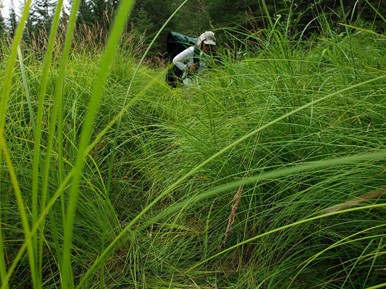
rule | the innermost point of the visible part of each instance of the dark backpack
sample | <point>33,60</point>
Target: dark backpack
<point>176,43</point>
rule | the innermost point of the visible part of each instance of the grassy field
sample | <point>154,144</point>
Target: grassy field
<point>270,173</point>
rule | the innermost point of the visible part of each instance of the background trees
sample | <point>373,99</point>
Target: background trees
<point>98,12</point>
<point>300,17</point>
<point>2,25</point>
<point>39,22</point>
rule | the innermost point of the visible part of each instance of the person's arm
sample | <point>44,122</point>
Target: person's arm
<point>181,59</point>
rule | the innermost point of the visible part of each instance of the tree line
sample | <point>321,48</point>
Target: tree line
<point>306,17</point>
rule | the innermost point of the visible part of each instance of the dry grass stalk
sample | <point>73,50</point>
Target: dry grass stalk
<point>231,218</point>
<point>355,201</point>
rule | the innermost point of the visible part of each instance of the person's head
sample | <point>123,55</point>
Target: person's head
<point>207,41</point>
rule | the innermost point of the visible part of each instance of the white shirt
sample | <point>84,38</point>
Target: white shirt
<point>186,58</point>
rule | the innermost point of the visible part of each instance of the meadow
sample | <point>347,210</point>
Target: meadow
<point>269,173</point>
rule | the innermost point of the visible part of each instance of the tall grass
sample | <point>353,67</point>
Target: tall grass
<point>268,174</point>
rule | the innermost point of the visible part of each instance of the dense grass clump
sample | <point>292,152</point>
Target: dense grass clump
<point>269,173</point>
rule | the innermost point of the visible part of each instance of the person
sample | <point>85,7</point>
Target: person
<point>190,61</point>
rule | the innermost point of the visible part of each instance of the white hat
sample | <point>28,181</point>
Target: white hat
<point>207,37</point>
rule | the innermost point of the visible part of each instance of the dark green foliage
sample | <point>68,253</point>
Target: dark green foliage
<point>99,12</point>
<point>39,22</point>
<point>296,15</point>
<point>12,20</point>
<point>148,18</point>
<point>297,19</point>
<point>41,13</point>
<point>2,25</point>
<point>193,18</point>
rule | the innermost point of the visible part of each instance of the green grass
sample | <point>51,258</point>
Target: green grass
<point>110,179</point>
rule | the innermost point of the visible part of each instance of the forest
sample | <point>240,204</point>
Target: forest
<point>268,171</point>
<point>95,18</point>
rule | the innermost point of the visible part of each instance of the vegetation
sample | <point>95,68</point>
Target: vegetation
<point>267,174</point>
<point>301,17</point>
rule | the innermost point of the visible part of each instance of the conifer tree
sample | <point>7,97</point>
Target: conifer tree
<point>39,22</point>
<point>2,25</point>
<point>12,21</point>
<point>41,14</point>
<point>97,11</point>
